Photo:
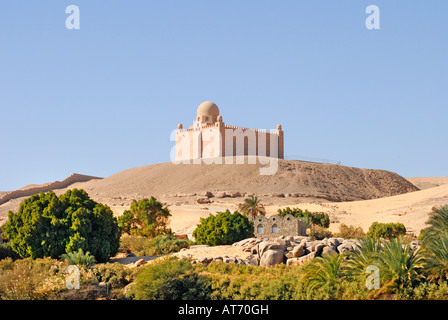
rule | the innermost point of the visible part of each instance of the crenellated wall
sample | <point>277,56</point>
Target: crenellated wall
<point>74,178</point>
<point>227,140</point>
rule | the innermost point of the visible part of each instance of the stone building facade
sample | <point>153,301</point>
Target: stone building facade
<point>275,226</point>
<point>210,137</point>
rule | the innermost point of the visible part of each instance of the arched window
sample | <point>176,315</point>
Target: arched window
<point>274,228</point>
<point>260,229</point>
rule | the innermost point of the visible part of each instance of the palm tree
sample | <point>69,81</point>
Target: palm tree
<point>399,265</point>
<point>438,225</point>
<point>437,258</point>
<point>323,271</point>
<point>364,255</point>
<point>252,207</point>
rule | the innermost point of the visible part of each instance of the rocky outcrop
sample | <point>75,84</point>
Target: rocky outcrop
<point>25,192</point>
<point>288,250</point>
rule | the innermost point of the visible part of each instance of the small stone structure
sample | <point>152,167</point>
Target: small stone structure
<point>275,226</point>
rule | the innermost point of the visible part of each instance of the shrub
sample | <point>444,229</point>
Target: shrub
<point>386,230</point>
<point>317,218</point>
<point>319,233</point>
<point>27,279</point>
<point>114,274</point>
<point>79,258</point>
<point>143,246</point>
<point>170,279</point>
<point>350,232</point>
<point>147,217</point>
<point>48,226</point>
<point>223,228</point>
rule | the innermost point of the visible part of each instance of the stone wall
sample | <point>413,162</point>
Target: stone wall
<point>75,177</point>
<point>275,226</point>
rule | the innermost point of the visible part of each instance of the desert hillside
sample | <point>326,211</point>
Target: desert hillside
<point>326,187</point>
<point>428,182</point>
<point>296,178</point>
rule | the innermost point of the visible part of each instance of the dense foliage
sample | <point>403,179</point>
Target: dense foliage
<point>143,246</point>
<point>317,218</point>
<point>147,217</point>
<point>386,230</point>
<point>223,228</point>
<point>170,279</point>
<point>48,226</point>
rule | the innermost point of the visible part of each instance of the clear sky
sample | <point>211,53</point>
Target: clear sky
<point>106,97</point>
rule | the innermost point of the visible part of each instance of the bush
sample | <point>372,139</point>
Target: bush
<point>350,232</point>
<point>27,279</point>
<point>170,279</point>
<point>223,229</point>
<point>386,230</point>
<point>114,274</point>
<point>143,246</point>
<point>48,226</point>
<point>317,218</point>
<point>319,233</point>
<point>147,217</point>
<point>79,258</point>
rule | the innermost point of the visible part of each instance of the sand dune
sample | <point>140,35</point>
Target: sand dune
<point>428,182</point>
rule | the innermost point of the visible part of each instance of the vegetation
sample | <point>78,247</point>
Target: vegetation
<point>223,228</point>
<point>147,217</point>
<point>405,272</point>
<point>143,246</point>
<point>48,226</point>
<point>386,230</point>
<point>252,207</point>
<point>79,258</point>
<point>170,279</point>
<point>350,232</point>
<point>317,218</point>
<point>319,232</point>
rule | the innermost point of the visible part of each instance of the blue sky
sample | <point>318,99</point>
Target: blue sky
<point>106,97</point>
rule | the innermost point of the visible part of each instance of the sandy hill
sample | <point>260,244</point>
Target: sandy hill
<point>295,178</point>
<point>428,182</point>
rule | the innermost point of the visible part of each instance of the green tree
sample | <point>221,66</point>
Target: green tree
<point>252,207</point>
<point>223,228</point>
<point>436,259</point>
<point>317,218</point>
<point>364,255</point>
<point>325,271</point>
<point>147,217</point>
<point>435,244</point>
<point>399,266</point>
<point>386,230</point>
<point>48,226</point>
<point>437,225</point>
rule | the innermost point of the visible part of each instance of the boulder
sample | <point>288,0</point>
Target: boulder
<point>308,257</point>
<point>203,200</point>
<point>271,257</point>
<point>267,245</point>
<point>318,248</point>
<point>296,252</point>
<point>328,251</point>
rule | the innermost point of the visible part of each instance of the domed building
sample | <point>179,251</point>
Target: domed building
<point>210,137</point>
